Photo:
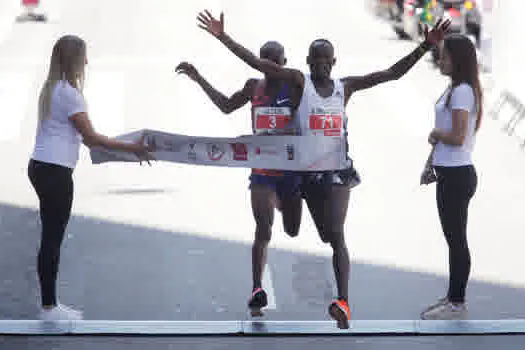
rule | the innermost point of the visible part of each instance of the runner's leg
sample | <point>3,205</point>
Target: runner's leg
<point>289,195</point>
<point>328,206</point>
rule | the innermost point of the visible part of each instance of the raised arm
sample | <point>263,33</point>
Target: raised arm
<point>216,28</point>
<point>225,104</point>
<point>400,68</point>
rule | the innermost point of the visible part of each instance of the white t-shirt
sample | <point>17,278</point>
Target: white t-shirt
<point>462,98</point>
<point>57,139</point>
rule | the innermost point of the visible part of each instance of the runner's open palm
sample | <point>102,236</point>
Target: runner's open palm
<point>437,34</point>
<point>210,24</point>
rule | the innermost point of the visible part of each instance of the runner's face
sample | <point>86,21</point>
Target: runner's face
<point>321,60</point>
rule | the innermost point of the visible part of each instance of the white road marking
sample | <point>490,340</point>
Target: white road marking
<point>267,283</point>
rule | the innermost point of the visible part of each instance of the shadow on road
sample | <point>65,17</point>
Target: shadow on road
<point>124,272</point>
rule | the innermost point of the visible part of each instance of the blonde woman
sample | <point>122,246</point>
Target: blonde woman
<point>63,123</point>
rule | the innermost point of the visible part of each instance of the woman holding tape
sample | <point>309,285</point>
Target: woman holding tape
<point>62,123</point>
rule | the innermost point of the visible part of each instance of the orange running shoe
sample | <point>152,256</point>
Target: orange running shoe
<point>340,311</point>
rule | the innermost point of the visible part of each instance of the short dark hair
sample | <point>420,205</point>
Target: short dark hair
<point>272,45</point>
<point>320,41</point>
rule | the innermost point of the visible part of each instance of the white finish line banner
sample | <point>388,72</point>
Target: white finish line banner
<point>285,152</point>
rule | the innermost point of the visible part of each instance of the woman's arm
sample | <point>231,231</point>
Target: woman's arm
<point>91,138</point>
<point>458,134</point>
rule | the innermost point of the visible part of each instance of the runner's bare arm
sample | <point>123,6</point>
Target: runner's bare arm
<point>216,28</point>
<point>262,65</point>
<point>400,68</point>
<point>226,104</point>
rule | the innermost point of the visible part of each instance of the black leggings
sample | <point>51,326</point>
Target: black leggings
<point>54,187</point>
<point>455,187</point>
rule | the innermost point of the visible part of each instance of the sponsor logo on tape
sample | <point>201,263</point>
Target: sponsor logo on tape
<point>215,151</point>
<point>290,152</point>
<point>192,155</point>
<point>266,150</point>
<point>240,151</point>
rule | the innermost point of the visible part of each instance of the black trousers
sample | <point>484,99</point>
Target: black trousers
<point>54,187</point>
<point>455,188</point>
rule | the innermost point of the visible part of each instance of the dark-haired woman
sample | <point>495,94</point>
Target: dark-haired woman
<point>458,118</point>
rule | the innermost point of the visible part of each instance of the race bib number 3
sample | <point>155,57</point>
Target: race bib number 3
<point>329,125</point>
<point>270,118</point>
<point>272,121</point>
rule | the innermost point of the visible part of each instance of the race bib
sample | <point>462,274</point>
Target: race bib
<point>325,124</point>
<point>271,119</point>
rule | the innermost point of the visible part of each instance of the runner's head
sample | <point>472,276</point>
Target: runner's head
<point>274,52</point>
<point>68,60</point>
<point>321,59</point>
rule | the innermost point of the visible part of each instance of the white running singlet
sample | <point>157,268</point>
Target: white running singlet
<point>319,116</point>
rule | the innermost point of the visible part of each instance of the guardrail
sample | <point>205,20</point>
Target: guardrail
<point>510,110</point>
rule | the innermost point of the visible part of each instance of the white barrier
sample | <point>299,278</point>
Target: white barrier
<point>251,328</point>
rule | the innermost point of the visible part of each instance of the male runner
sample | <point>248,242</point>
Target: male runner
<point>273,107</point>
<point>324,99</point>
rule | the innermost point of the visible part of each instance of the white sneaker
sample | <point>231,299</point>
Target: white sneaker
<point>440,302</point>
<point>446,311</point>
<point>60,313</point>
